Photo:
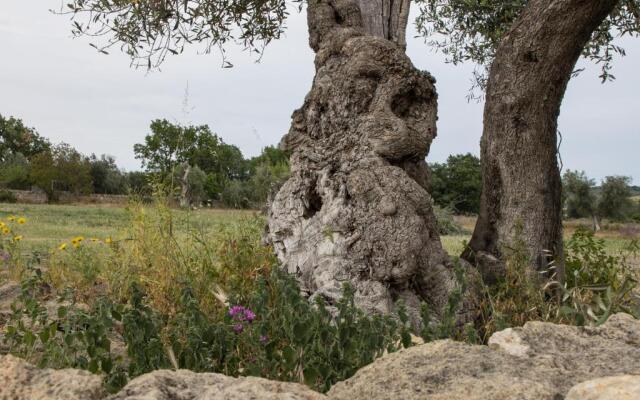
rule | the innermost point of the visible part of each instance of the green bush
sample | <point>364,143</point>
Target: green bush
<point>6,196</point>
<point>276,334</point>
<point>446,223</point>
<point>597,285</point>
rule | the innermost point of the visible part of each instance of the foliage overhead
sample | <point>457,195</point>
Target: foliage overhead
<point>471,30</point>
<point>148,30</point>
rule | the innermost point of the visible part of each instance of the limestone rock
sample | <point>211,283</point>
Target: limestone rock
<point>539,361</point>
<point>445,370</point>
<point>625,387</point>
<point>188,385</point>
<point>581,353</point>
<point>510,342</point>
<point>20,380</point>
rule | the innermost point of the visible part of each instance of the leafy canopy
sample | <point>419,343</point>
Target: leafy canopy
<point>148,30</point>
<point>464,30</point>
<point>470,30</point>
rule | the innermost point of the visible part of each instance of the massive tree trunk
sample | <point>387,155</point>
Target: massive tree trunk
<point>521,198</point>
<point>355,209</point>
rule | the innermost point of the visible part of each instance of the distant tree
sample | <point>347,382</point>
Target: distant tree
<point>265,180</point>
<point>270,155</point>
<point>170,145</point>
<point>615,198</point>
<point>14,171</point>
<point>236,194</point>
<point>61,168</point>
<point>16,138</point>
<point>106,176</point>
<point>139,183</point>
<point>579,199</point>
<point>44,174</point>
<point>192,184</point>
<point>457,184</point>
<point>167,146</point>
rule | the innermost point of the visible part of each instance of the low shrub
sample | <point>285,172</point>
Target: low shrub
<point>161,254</point>
<point>7,196</point>
<point>596,286</point>
<point>276,334</point>
<point>446,223</point>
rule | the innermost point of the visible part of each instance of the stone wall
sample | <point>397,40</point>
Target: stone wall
<point>39,197</point>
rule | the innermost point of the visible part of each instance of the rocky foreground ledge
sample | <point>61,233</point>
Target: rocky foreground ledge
<point>539,361</point>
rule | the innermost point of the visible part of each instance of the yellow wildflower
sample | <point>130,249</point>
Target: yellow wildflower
<point>2,224</point>
<point>108,240</point>
<point>76,245</point>
<point>6,231</point>
<point>63,246</point>
<point>94,240</point>
<point>22,220</point>
<point>12,218</point>
<point>17,238</point>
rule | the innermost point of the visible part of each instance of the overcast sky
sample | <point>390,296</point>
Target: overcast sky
<point>69,92</point>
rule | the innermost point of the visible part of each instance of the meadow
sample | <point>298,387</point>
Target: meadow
<point>122,291</point>
<point>48,226</point>
<point>51,225</point>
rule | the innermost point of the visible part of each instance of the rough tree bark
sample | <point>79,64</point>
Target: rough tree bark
<point>521,198</point>
<point>386,19</point>
<point>355,208</point>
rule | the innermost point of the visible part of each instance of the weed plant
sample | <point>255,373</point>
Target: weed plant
<point>213,300</point>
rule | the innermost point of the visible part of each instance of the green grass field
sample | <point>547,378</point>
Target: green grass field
<point>49,225</point>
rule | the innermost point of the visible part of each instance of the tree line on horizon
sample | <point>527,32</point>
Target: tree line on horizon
<point>195,161</point>
<point>218,173</point>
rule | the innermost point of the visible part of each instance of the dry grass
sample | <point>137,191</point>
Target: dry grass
<point>615,235</point>
<point>50,225</point>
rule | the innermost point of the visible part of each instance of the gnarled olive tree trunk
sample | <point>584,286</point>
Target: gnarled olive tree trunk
<point>521,198</point>
<point>355,208</point>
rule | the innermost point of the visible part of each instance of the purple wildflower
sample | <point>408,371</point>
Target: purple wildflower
<point>238,328</point>
<point>249,315</point>
<point>236,311</point>
<point>242,314</point>
<point>264,339</point>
